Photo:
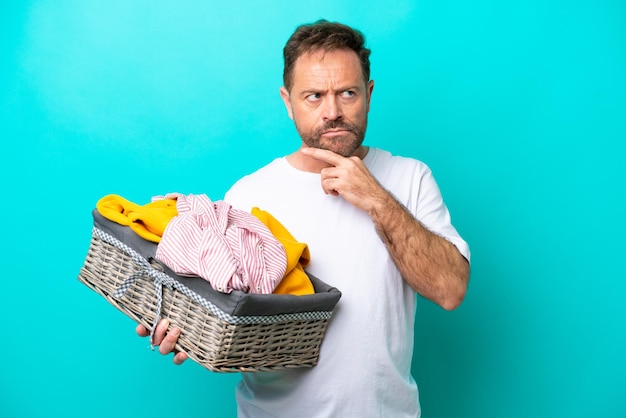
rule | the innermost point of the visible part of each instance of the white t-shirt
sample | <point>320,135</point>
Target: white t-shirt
<point>365,357</point>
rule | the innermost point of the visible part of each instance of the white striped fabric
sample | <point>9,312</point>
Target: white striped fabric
<point>230,248</point>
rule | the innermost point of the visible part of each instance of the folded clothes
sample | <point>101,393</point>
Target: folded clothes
<point>150,221</point>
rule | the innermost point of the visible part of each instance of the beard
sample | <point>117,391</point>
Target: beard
<point>344,145</point>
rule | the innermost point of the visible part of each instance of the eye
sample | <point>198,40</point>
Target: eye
<point>313,97</point>
<point>348,94</point>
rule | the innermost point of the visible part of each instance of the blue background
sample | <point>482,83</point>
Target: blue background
<point>518,107</point>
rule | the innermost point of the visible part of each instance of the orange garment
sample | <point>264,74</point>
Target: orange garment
<point>295,281</point>
<point>147,221</point>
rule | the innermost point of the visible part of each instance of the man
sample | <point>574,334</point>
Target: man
<point>377,229</point>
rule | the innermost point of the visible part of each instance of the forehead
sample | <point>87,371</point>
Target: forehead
<point>319,67</point>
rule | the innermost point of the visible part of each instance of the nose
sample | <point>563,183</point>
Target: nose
<point>332,108</point>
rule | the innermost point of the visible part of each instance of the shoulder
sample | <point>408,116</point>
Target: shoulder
<point>265,171</point>
<point>384,164</point>
<point>246,188</point>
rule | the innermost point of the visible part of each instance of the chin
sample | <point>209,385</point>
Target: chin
<point>343,150</point>
<point>345,147</point>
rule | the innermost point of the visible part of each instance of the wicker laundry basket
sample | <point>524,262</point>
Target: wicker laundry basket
<point>236,332</point>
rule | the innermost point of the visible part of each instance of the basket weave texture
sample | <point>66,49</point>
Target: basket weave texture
<point>217,340</point>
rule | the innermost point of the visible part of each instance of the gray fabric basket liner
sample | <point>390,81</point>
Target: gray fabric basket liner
<point>236,303</point>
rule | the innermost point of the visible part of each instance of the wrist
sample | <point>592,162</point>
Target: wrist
<point>382,205</point>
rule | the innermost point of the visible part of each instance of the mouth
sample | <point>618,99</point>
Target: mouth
<point>335,132</point>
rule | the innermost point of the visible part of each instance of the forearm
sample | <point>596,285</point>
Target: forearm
<point>430,264</point>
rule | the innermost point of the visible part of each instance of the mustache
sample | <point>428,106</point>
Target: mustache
<point>337,124</point>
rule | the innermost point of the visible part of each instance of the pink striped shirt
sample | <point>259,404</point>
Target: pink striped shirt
<point>230,248</point>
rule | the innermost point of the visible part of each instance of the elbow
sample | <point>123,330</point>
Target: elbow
<point>453,299</point>
<point>456,291</point>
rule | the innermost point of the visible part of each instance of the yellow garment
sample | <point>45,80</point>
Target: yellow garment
<point>295,281</point>
<point>147,221</point>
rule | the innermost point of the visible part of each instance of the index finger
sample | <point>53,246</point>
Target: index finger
<point>325,155</point>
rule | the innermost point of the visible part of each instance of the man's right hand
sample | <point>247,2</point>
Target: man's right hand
<point>165,340</point>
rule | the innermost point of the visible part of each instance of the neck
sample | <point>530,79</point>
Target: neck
<point>303,162</point>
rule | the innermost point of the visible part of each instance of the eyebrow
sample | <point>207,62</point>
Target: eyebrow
<point>308,91</point>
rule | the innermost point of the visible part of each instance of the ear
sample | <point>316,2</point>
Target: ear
<point>370,89</point>
<point>284,94</point>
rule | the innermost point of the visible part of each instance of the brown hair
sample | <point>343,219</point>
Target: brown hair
<point>326,36</point>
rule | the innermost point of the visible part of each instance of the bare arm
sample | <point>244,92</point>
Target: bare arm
<point>430,264</point>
